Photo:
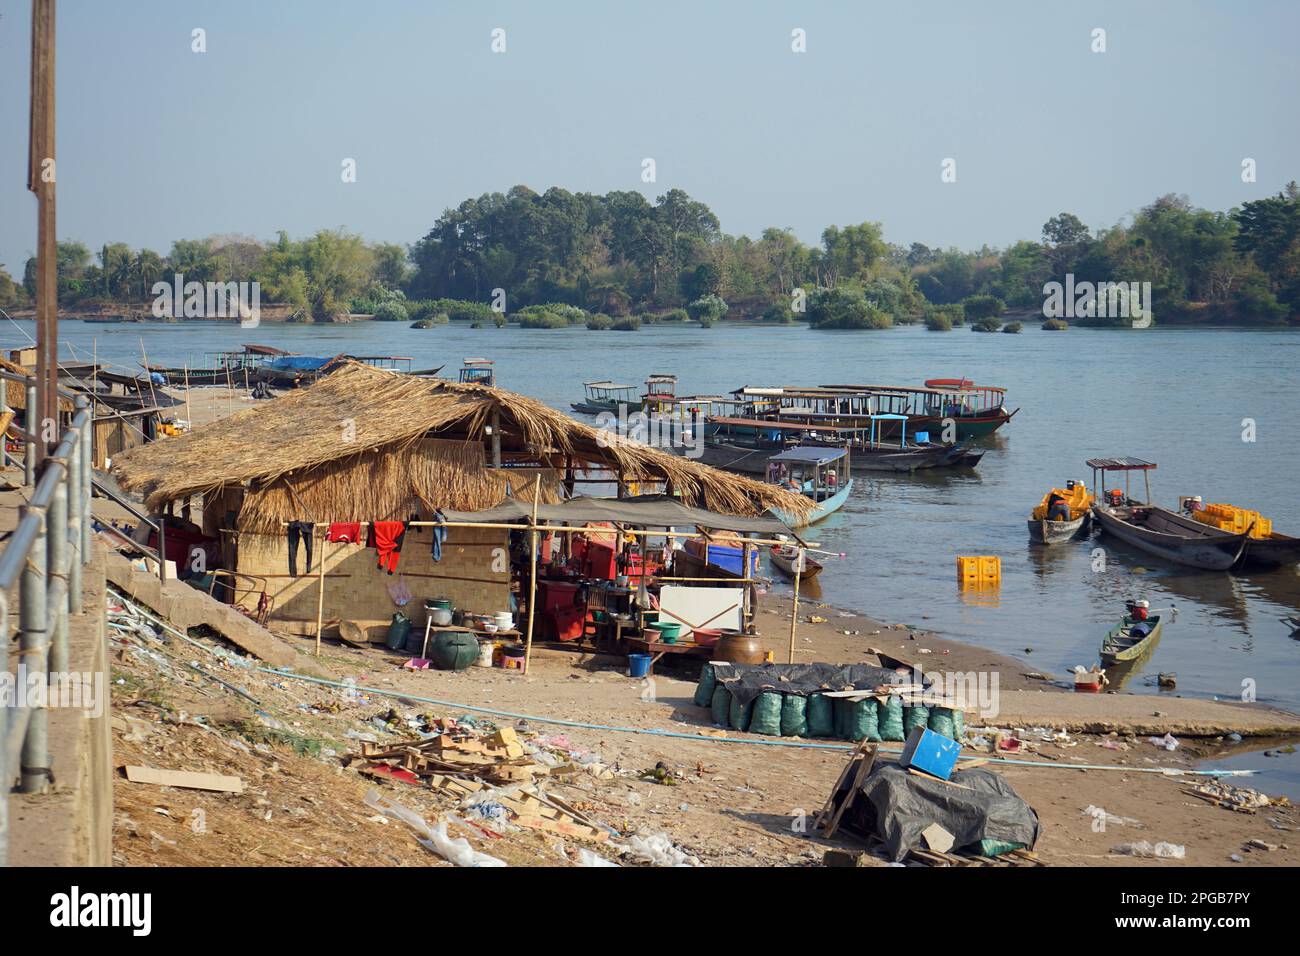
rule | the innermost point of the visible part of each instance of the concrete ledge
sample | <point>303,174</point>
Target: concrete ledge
<point>72,825</point>
<point>184,607</point>
<point>1137,714</point>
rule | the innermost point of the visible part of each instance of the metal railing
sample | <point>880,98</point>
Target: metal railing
<point>44,556</point>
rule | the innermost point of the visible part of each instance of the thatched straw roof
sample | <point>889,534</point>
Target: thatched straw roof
<point>364,433</point>
<point>16,392</point>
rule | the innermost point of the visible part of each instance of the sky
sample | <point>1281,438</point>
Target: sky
<point>158,142</point>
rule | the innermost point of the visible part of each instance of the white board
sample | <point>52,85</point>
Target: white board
<point>703,607</point>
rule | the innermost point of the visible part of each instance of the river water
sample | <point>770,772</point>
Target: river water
<point>1190,400</point>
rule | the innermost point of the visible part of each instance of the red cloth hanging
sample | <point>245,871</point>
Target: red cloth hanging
<point>344,531</point>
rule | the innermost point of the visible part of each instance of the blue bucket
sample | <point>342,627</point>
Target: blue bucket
<point>638,665</point>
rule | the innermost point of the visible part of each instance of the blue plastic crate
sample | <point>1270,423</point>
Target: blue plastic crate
<point>930,753</point>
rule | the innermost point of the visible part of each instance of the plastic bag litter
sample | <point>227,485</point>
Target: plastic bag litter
<point>1143,848</point>
<point>588,858</point>
<point>399,592</point>
<point>1167,742</point>
<point>435,838</point>
<point>659,850</point>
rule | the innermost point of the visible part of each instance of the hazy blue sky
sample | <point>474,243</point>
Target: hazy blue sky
<point>156,142</point>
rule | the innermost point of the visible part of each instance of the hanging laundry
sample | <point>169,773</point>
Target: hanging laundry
<point>348,532</point>
<point>399,592</point>
<point>439,535</point>
<point>386,538</point>
<point>303,529</point>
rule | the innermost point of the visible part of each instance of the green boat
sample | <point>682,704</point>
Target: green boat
<point>1130,640</point>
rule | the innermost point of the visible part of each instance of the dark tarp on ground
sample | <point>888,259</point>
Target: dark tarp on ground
<point>747,681</point>
<point>648,511</point>
<point>896,806</point>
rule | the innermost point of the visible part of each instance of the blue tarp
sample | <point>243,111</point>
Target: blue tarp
<point>810,455</point>
<point>305,363</point>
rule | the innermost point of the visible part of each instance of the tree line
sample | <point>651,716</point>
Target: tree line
<point>617,260</point>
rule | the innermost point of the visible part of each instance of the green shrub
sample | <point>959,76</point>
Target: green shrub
<point>938,323</point>
<point>983,306</point>
<point>675,315</point>
<point>986,325</point>
<point>1012,327</point>
<point>629,323</point>
<point>707,309</point>
<point>541,319</point>
<point>391,311</point>
<point>599,322</point>
<point>1055,325</point>
<point>954,311</point>
<point>778,313</point>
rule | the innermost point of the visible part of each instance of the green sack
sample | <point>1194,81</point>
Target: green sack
<point>958,725</point>
<point>766,715</point>
<point>916,716</point>
<point>821,716</point>
<point>794,715</point>
<point>704,689</point>
<point>941,722</point>
<point>720,706</point>
<point>739,716</point>
<point>890,717</point>
<point>861,721</point>
<point>840,715</point>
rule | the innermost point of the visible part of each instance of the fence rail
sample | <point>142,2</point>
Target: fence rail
<point>44,557</point>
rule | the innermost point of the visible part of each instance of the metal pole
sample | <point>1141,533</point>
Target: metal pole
<point>72,484</point>
<point>87,444</point>
<point>56,564</point>
<point>30,420</point>
<point>34,644</point>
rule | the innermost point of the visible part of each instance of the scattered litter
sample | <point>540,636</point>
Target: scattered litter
<point>1167,742</point>
<point>1144,849</point>
<point>435,838</point>
<point>659,850</point>
<point>1110,818</point>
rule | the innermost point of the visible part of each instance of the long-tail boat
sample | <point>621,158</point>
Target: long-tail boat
<point>1159,531</point>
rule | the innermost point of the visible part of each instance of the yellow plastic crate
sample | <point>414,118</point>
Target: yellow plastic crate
<point>981,570</point>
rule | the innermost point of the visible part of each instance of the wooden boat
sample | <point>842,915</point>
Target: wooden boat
<point>477,371</point>
<point>1158,531</point>
<point>606,396</point>
<point>811,470</point>
<point>1273,551</point>
<point>744,444</point>
<point>1045,530</point>
<point>1172,537</point>
<point>1130,640</point>
<point>785,558</point>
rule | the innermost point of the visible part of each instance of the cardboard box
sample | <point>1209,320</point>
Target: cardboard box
<point>930,753</point>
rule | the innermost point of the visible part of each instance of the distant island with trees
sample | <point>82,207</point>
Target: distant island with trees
<point>618,262</point>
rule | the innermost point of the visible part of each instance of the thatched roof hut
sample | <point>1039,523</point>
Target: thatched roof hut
<point>366,444</point>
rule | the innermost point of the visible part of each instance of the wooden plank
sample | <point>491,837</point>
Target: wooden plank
<point>865,764</point>
<point>829,805</point>
<point>185,778</point>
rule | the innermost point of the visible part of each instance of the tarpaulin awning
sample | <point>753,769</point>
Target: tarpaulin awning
<point>648,511</point>
<point>810,455</point>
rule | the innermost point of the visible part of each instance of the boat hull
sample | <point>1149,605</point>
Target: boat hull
<point>1057,532</point>
<point>1277,550</point>
<point>787,565</point>
<point>824,509</point>
<point>753,461</point>
<point>1118,648</point>
<point>1183,545</point>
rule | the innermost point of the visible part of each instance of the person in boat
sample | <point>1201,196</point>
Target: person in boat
<point>1057,508</point>
<point>832,479</point>
<point>1192,505</point>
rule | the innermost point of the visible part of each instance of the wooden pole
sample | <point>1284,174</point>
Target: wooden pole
<point>794,608</point>
<point>41,181</point>
<point>320,595</point>
<point>148,374</point>
<point>189,413</point>
<point>532,575</point>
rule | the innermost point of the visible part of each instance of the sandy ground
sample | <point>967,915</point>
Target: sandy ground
<point>734,803</point>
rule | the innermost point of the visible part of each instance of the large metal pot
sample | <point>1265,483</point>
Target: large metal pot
<point>738,648</point>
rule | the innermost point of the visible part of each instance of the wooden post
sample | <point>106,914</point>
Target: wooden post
<point>189,413</point>
<point>496,439</point>
<point>1146,476</point>
<point>41,181</point>
<point>794,609</point>
<point>320,594</point>
<point>148,374</point>
<point>532,573</point>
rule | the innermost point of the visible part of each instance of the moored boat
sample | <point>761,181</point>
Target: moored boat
<point>1132,638</point>
<point>792,560</point>
<point>1156,530</point>
<point>814,472</point>
<point>606,396</point>
<point>1055,521</point>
